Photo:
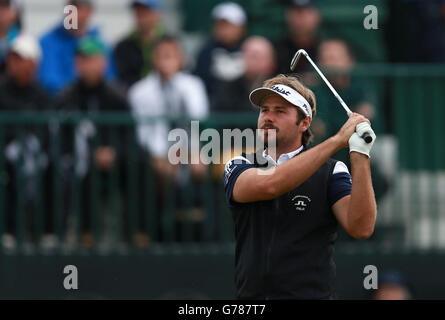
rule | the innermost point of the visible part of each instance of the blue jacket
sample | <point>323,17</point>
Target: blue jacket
<point>57,68</point>
<point>5,43</point>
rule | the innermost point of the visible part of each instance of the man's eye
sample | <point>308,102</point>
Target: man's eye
<point>263,110</point>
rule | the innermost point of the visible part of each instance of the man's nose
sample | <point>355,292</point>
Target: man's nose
<point>269,117</point>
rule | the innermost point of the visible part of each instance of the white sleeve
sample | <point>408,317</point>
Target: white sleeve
<point>155,137</point>
<point>197,102</point>
<point>132,98</point>
<point>237,160</point>
<point>151,136</point>
<point>340,167</point>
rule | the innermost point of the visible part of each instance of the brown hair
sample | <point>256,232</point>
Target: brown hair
<point>294,83</point>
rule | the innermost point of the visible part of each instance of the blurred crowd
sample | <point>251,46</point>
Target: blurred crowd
<point>144,74</point>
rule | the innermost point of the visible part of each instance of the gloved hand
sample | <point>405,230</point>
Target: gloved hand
<point>357,144</point>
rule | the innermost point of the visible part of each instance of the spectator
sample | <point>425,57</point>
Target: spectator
<point>9,29</point>
<point>59,49</point>
<point>259,64</point>
<point>169,92</point>
<point>134,54</point>
<point>220,59</point>
<point>24,157</point>
<point>303,21</point>
<point>91,94</point>
<point>392,286</point>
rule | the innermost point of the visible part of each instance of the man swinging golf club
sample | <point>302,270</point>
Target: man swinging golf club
<point>286,212</point>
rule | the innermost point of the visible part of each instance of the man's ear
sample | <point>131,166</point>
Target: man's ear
<point>306,123</point>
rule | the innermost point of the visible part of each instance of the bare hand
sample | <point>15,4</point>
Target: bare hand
<point>348,128</point>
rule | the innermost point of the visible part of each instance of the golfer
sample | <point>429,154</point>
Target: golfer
<point>286,212</point>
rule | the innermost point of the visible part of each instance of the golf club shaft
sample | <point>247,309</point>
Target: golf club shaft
<point>348,111</point>
<point>366,136</point>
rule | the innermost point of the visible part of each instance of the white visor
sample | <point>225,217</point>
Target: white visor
<point>257,97</point>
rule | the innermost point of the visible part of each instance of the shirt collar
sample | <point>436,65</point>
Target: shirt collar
<point>284,157</point>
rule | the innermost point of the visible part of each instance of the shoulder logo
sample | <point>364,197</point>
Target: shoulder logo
<point>230,167</point>
<point>301,203</point>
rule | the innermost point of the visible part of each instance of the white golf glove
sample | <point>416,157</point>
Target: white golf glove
<point>356,142</point>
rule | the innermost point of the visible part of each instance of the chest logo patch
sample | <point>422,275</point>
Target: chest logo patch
<point>301,203</point>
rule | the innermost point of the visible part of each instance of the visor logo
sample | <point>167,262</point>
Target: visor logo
<point>280,90</point>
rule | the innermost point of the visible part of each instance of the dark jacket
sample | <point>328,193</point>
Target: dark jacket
<point>233,96</point>
<point>16,98</point>
<point>80,98</point>
<point>209,64</point>
<point>284,246</point>
<point>25,151</point>
<point>28,98</point>
<point>103,97</point>
<point>285,50</point>
<point>134,58</point>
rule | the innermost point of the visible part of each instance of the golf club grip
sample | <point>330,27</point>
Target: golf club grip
<point>367,137</point>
